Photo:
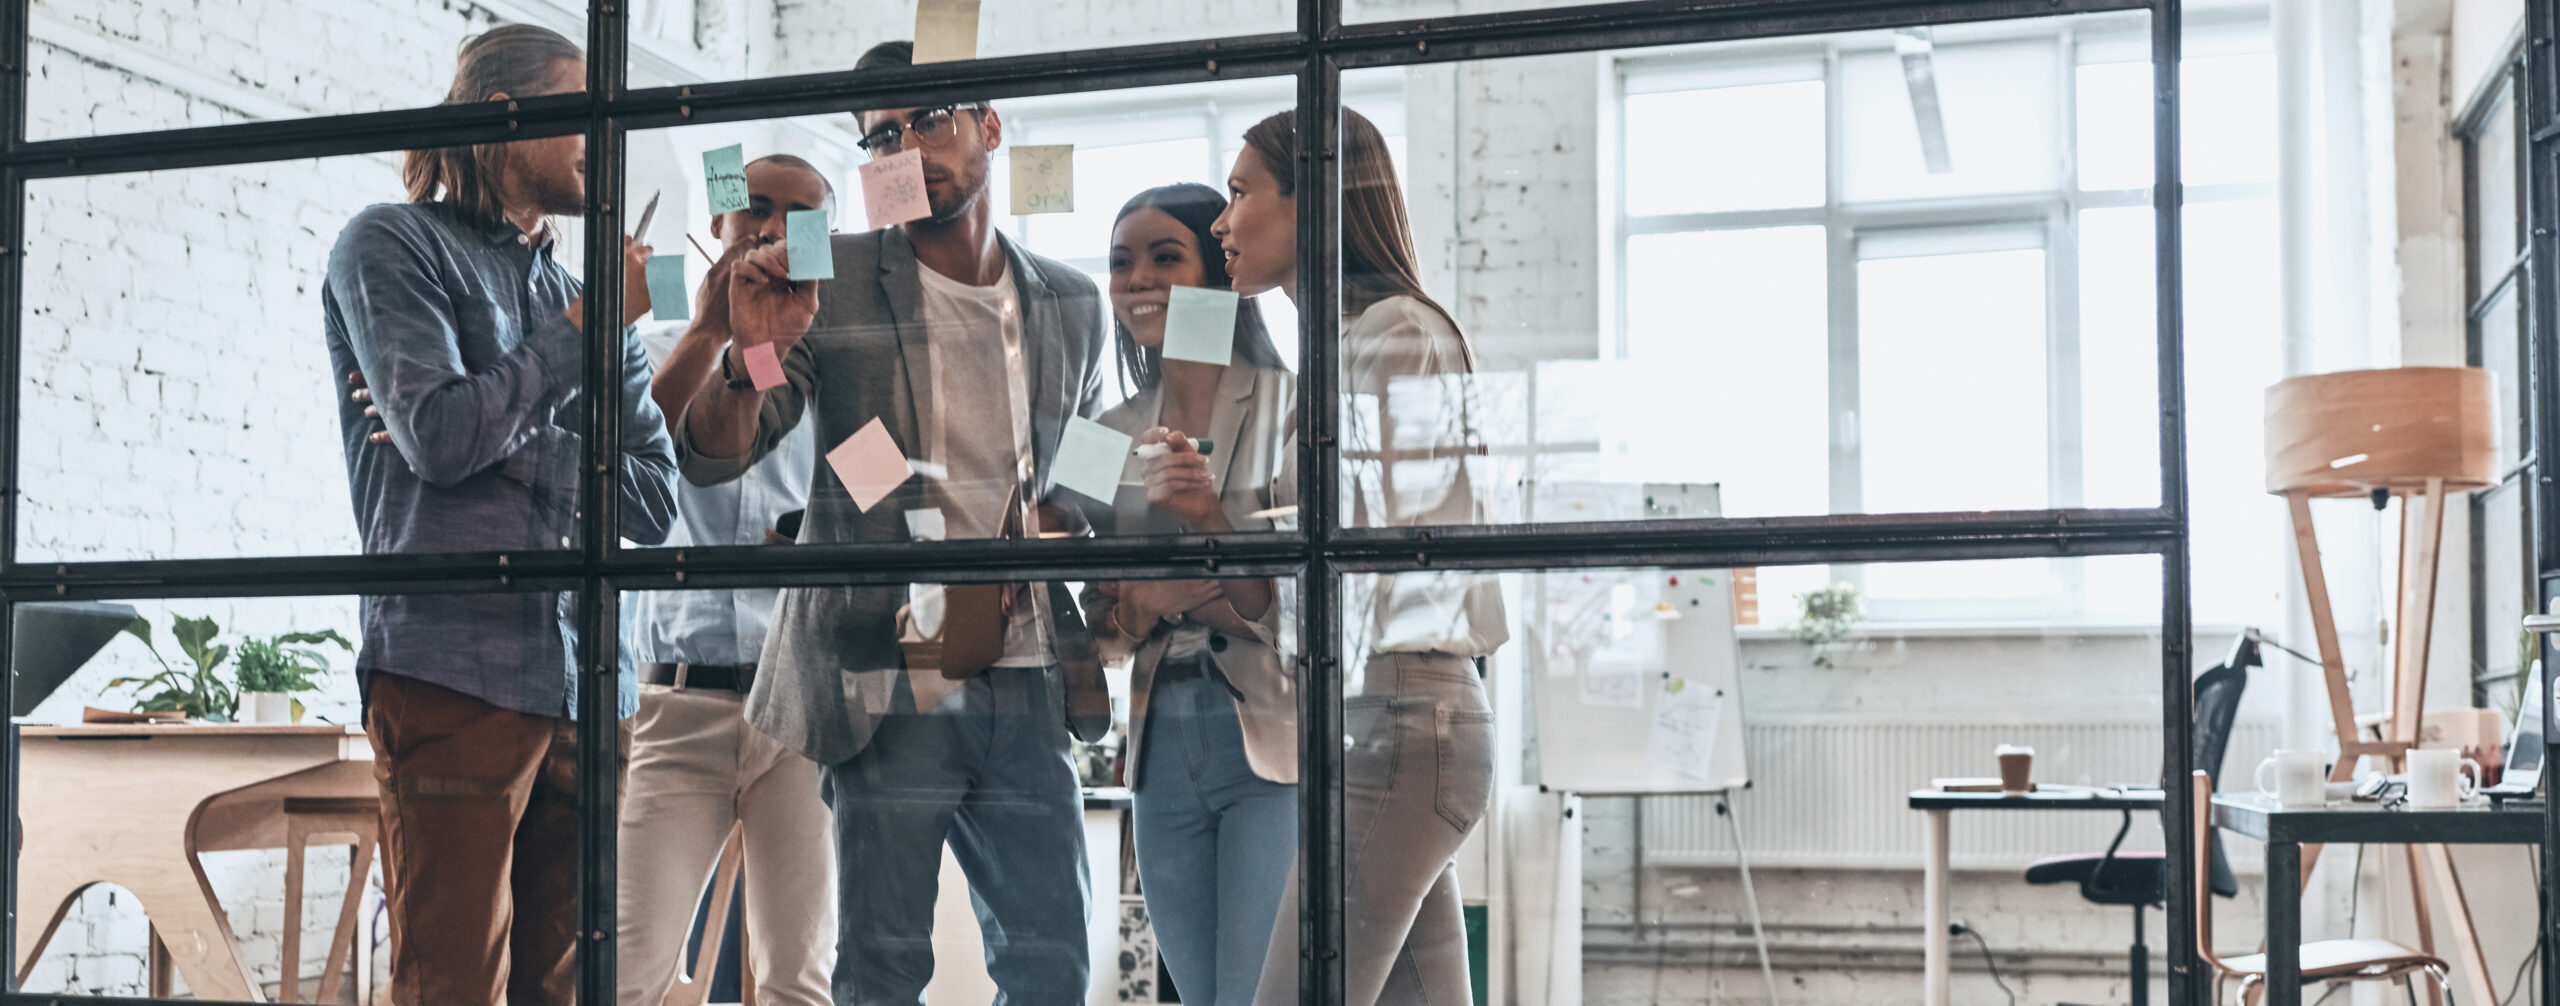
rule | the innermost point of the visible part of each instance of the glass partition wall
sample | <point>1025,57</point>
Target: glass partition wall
<point>1382,391</point>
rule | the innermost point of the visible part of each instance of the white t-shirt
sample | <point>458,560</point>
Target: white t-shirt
<point>973,335</point>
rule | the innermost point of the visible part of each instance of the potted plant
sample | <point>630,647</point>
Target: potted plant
<point>1826,617</point>
<point>272,669</point>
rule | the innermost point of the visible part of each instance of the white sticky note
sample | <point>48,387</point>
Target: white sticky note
<point>1683,735</point>
<point>946,30</point>
<point>870,464</point>
<point>1200,325</point>
<point>925,524</point>
<point>1090,458</point>
<point>893,190</point>
<point>1044,179</point>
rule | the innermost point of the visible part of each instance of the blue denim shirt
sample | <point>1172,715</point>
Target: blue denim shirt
<point>724,627</point>
<point>458,327</point>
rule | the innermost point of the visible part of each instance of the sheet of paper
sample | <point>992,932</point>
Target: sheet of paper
<point>893,190</point>
<point>1044,179</point>
<point>724,178</point>
<point>946,30</point>
<point>1613,682</point>
<point>1683,737</point>
<point>666,288</point>
<point>1200,325</point>
<point>925,524</point>
<point>812,251</point>
<point>763,367</point>
<point>869,464</point>
<point>1090,458</point>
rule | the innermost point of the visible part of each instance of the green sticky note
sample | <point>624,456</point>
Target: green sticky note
<point>813,256</point>
<point>666,288</point>
<point>724,176</point>
<point>1090,458</point>
<point>1200,325</point>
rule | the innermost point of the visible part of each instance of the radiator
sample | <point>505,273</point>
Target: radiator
<point>1832,795</point>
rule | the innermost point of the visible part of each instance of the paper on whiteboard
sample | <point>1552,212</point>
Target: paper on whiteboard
<point>1613,681</point>
<point>1683,738</point>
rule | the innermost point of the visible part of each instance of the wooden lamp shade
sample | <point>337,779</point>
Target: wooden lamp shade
<point>2352,432</point>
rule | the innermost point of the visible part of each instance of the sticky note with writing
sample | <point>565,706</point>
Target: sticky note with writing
<point>666,288</point>
<point>813,254</point>
<point>869,464</point>
<point>763,367</point>
<point>946,30</point>
<point>893,189</point>
<point>1090,457</point>
<point>724,178</point>
<point>1044,179</point>
<point>1200,325</point>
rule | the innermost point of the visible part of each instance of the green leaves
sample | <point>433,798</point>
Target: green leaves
<point>283,663</point>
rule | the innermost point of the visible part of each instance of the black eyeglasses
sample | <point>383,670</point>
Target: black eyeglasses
<point>931,125</point>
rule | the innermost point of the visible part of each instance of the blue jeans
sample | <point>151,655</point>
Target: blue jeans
<point>1215,844</point>
<point>989,772</point>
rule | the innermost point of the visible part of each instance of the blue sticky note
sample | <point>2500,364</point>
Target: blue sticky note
<point>666,288</point>
<point>1200,325</point>
<point>813,255</point>
<point>1089,459</point>
<point>724,176</point>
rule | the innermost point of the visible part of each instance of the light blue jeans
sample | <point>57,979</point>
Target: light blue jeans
<point>1215,843</point>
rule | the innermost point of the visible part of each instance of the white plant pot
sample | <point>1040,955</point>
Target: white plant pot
<point>268,707</point>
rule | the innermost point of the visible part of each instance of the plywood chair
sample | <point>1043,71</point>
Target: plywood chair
<point>2323,961</point>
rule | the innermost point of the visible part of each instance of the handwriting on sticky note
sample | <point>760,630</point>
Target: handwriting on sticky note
<point>812,252</point>
<point>763,367</point>
<point>1044,179</point>
<point>893,190</point>
<point>1200,325</point>
<point>1090,457</point>
<point>869,464</point>
<point>666,288</point>
<point>946,30</point>
<point>724,178</point>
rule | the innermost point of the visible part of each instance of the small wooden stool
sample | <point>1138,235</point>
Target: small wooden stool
<point>305,818</point>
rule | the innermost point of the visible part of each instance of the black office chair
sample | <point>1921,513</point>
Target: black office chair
<point>2141,879</point>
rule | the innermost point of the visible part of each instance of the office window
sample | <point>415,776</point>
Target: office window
<point>2503,535</point>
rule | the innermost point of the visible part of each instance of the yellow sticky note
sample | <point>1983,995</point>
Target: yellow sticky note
<point>1044,179</point>
<point>870,464</point>
<point>946,30</point>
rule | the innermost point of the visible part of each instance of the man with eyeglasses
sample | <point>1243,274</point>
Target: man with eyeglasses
<point>972,355</point>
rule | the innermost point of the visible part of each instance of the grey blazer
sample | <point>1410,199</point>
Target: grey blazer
<point>832,668</point>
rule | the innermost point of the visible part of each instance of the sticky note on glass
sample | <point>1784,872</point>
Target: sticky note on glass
<point>925,524</point>
<point>893,189</point>
<point>869,464</point>
<point>946,30</point>
<point>763,367</point>
<point>666,288</point>
<point>1090,458</point>
<point>724,178</point>
<point>1200,325</point>
<point>1044,179</point>
<point>813,255</point>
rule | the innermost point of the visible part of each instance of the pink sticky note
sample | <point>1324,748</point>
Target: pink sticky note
<point>870,464</point>
<point>762,367</point>
<point>893,189</point>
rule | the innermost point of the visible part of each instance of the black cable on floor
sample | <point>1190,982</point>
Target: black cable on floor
<point>1988,963</point>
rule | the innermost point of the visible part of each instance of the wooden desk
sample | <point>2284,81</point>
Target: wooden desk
<point>132,805</point>
<point>2286,831</point>
<point>1936,976</point>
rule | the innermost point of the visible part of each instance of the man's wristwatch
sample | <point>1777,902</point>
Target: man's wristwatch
<point>736,383</point>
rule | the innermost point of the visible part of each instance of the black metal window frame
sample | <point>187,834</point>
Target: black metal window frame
<point>1315,54</point>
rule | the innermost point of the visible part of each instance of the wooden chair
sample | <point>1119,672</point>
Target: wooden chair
<point>2323,961</point>
<point>306,818</point>
<point>692,986</point>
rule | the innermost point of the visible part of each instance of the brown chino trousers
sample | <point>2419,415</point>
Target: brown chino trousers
<point>480,847</point>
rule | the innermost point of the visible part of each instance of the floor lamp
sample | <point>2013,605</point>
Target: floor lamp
<point>2425,435</point>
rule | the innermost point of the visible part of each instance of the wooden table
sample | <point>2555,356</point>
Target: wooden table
<point>1936,975</point>
<point>2286,831</point>
<point>132,805</point>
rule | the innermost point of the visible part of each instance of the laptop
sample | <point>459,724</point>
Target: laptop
<point>51,642</point>
<point>2523,775</point>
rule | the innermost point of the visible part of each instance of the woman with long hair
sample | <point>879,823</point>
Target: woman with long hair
<point>1418,761</point>
<point>1212,748</point>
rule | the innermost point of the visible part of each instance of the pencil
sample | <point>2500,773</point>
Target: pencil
<point>697,246</point>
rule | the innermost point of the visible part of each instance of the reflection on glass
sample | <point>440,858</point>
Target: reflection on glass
<point>1997,127</point>
<point>684,43</point>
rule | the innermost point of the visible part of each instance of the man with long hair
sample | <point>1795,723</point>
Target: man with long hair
<point>465,333</point>
<point>972,355</point>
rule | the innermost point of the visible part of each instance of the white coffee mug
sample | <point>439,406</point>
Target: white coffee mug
<point>2441,777</point>
<point>2298,778</point>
